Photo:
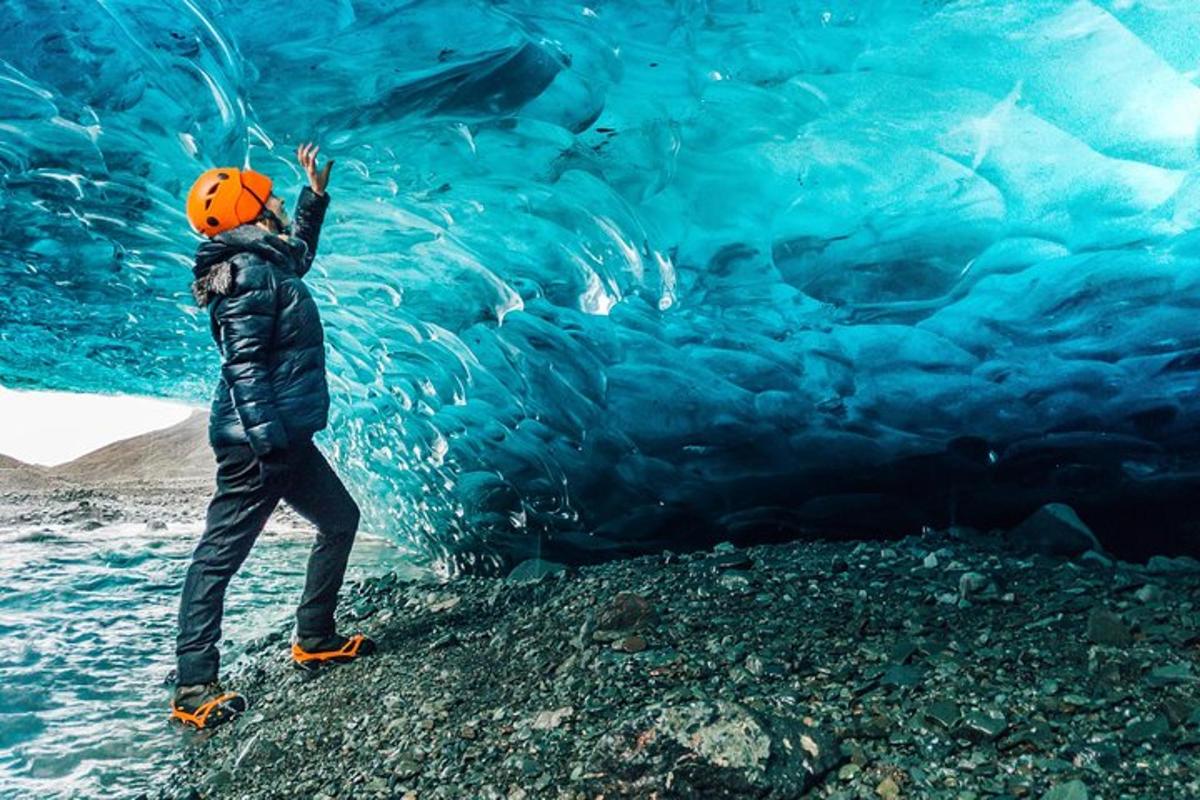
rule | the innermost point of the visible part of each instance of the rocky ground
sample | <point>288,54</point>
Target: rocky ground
<point>133,502</point>
<point>942,666</point>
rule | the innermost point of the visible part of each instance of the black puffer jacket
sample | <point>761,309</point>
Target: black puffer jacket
<point>272,390</point>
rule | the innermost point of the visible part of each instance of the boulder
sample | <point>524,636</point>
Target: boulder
<point>534,569</point>
<point>723,749</point>
<point>1054,530</point>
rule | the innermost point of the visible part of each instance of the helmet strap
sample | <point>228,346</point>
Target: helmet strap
<point>269,215</point>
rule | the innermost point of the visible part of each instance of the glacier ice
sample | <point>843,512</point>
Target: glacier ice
<point>616,276</point>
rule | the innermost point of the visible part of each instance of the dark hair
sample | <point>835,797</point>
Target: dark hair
<point>267,215</point>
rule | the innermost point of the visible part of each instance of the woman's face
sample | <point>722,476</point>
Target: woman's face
<point>277,208</point>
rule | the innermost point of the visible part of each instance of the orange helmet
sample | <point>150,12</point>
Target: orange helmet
<point>225,197</point>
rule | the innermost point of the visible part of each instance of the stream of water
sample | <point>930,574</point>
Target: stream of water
<point>87,622</point>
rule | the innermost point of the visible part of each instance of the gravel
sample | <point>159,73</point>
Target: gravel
<point>939,666</point>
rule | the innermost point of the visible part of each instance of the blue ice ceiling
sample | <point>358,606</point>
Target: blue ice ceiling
<point>630,275</point>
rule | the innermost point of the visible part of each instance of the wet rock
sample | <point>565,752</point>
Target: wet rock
<point>888,789</point>
<point>156,525</point>
<point>444,604</point>
<point>1149,593</point>
<point>1145,730</point>
<point>1179,673</point>
<point>1096,559</point>
<point>627,611</point>
<point>1105,627</point>
<point>944,713</point>
<point>256,753</point>
<point>783,757</point>
<point>535,569</point>
<point>1183,565</point>
<point>549,720</point>
<point>902,675</point>
<point>724,734</point>
<point>730,561</point>
<point>1071,790</point>
<point>1179,710</point>
<point>1054,530</point>
<point>979,726</point>
<point>971,584</point>
<point>630,644</point>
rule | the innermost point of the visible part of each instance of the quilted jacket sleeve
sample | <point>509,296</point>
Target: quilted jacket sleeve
<point>310,213</point>
<point>246,321</point>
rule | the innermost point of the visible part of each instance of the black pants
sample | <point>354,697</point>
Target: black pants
<point>236,515</point>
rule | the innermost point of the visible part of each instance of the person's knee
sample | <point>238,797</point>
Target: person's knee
<point>345,523</point>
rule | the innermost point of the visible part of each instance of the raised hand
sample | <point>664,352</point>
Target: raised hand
<point>306,154</point>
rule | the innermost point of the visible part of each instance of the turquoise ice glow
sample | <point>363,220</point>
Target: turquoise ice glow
<point>636,273</point>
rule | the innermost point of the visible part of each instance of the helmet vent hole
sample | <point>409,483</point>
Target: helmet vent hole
<point>223,176</point>
<point>213,222</point>
<point>207,203</point>
<point>213,189</point>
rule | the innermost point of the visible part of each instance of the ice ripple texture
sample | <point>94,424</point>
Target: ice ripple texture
<point>625,275</point>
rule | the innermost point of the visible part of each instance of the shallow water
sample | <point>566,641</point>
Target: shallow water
<point>87,624</point>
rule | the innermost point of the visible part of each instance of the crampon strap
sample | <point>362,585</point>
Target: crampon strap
<point>199,717</point>
<point>348,650</point>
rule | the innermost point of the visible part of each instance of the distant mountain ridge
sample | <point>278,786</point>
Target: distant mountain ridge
<point>8,462</point>
<point>175,454</point>
<point>178,454</point>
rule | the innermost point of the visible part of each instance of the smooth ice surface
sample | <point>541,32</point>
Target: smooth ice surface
<point>650,273</point>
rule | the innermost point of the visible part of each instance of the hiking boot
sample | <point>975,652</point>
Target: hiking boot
<point>313,654</point>
<point>206,705</point>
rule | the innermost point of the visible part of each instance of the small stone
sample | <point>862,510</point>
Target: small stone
<point>442,642</point>
<point>1147,729</point>
<point>979,726</point>
<point>630,644</point>
<point>724,547</point>
<point>931,561</point>
<point>1071,790</point>
<point>887,789</point>
<point>971,583</point>
<point>944,712</point>
<point>1106,628</point>
<point>1150,593</point>
<point>445,604</point>
<point>627,611</point>
<point>838,565</point>
<point>1179,710</point>
<point>730,561</point>
<point>902,675</point>
<point>848,771</point>
<point>1097,559</point>
<point>1178,673</point>
<point>549,720</point>
<point>156,525</point>
<point>1182,565</point>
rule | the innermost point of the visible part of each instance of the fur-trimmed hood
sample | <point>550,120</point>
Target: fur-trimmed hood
<point>214,267</point>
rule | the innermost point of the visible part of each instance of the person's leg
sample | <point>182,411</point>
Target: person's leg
<point>317,494</point>
<point>237,513</point>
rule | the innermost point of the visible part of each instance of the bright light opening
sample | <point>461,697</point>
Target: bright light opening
<point>50,428</point>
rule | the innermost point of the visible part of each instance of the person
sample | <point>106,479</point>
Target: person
<point>269,401</point>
